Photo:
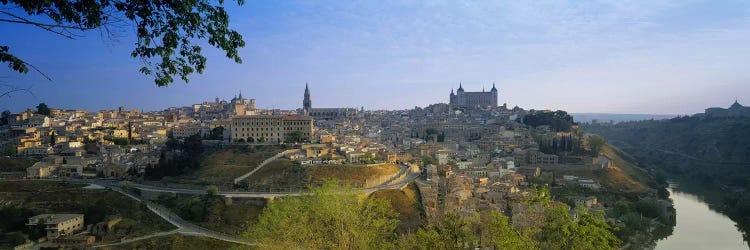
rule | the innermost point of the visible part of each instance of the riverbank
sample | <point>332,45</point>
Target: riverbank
<point>699,226</point>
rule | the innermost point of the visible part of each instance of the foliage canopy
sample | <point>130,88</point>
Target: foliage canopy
<point>331,217</point>
<point>337,217</point>
<point>167,32</point>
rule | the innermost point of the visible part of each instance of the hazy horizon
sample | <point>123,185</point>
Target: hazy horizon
<point>649,57</point>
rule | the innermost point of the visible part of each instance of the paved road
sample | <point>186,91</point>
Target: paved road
<point>188,228</point>
<point>264,163</point>
<point>394,183</point>
<point>126,241</point>
<point>183,226</point>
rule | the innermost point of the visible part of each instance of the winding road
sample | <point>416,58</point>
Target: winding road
<point>183,227</point>
<point>398,181</point>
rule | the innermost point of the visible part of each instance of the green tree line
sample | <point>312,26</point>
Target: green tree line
<point>335,216</point>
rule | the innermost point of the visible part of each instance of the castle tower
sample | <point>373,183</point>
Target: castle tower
<point>306,102</point>
<point>494,95</point>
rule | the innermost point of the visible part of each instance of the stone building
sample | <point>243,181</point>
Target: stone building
<point>271,128</point>
<point>187,130</point>
<point>58,225</point>
<point>324,114</point>
<point>463,98</point>
<point>736,110</point>
<point>40,170</point>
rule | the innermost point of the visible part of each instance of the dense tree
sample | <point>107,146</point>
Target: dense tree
<point>192,145</point>
<point>216,133</point>
<point>5,117</point>
<point>441,137</point>
<point>183,157</point>
<point>559,121</point>
<point>454,232</point>
<point>42,109</point>
<point>296,136</point>
<point>331,217</point>
<point>427,160</point>
<point>338,217</point>
<point>596,144</point>
<point>212,190</point>
<point>502,235</point>
<point>168,32</point>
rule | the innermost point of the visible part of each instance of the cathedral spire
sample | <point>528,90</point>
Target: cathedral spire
<point>306,102</point>
<point>460,87</point>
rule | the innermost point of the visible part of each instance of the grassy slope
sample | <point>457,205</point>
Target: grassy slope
<point>223,165</point>
<point>54,197</point>
<point>233,219</point>
<point>407,203</point>
<point>283,173</point>
<point>278,174</point>
<point>356,175</point>
<point>175,242</point>
<point>625,175</point>
<point>15,164</point>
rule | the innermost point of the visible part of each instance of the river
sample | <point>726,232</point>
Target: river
<point>699,227</point>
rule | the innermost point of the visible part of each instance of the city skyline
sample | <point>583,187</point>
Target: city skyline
<point>638,57</point>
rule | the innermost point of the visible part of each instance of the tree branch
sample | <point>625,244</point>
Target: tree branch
<point>38,70</point>
<point>45,26</point>
<point>15,89</point>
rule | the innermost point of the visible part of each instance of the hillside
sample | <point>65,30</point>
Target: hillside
<point>222,165</point>
<point>177,241</point>
<point>715,151</point>
<point>625,175</point>
<point>15,164</point>
<point>20,200</point>
<point>407,204</point>
<point>711,153</point>
<point>285,174</point>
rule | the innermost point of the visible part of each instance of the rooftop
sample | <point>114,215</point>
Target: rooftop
<point>54,218</point>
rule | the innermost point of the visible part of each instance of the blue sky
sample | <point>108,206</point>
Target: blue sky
<point>661,57</point>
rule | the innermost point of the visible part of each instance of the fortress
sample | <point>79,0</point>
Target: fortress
<point>463,98</point>
<point>736,110</point>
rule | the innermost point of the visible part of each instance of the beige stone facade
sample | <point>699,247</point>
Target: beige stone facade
<point>186,130</point>
<point>58,224</point>
<point>271,128</point>
<point>40,170</point>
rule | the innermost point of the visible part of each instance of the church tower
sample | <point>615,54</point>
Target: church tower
<point>306,103</point>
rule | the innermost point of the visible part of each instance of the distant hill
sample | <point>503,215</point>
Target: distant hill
<point>617,118</point>
<point>686,145</point>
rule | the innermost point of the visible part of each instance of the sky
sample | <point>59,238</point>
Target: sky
<point>648,57</point>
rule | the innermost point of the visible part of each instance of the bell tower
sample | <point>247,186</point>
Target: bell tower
<point>306,102</point>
